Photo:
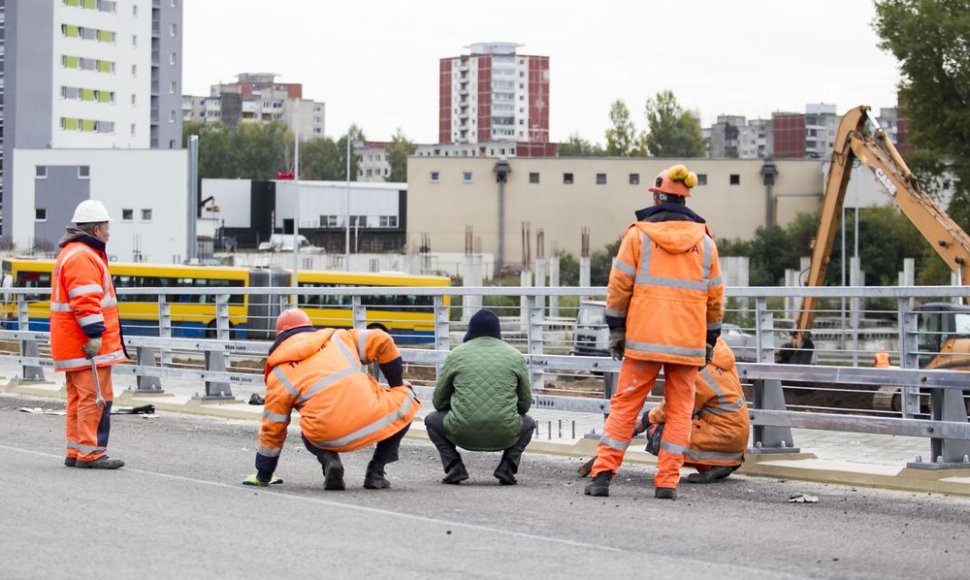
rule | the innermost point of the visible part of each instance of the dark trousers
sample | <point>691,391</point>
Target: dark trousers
<point>385,452</point>
<point>435,423</point>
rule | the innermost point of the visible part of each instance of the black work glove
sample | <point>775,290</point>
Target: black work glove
<point>708,355</point>
<point>617,342</point>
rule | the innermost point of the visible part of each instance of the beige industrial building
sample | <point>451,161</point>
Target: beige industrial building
<point>562,196</point>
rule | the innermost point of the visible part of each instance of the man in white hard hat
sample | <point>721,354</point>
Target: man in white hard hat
<point>86,335</point>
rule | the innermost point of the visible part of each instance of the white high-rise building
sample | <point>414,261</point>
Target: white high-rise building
<point>91,74</point>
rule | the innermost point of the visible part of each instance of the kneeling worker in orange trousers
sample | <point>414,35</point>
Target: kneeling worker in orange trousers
<point>322,374</point>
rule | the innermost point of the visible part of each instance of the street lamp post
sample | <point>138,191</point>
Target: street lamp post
<point>296,185</point>
<point>347,206</point>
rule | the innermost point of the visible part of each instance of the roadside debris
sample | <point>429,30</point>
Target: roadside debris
<point>803,498</point>
<point>142,410</point>
<point>39,411</point>
<point>256,399</point>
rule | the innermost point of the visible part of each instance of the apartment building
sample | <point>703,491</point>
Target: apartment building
<point>88,74</point>
<point>257,98</point>
<point>495,95</point>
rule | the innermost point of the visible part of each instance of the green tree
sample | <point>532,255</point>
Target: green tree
<point>673,131</point>
<point>601,262</point>
<point>397,155</point>
<point>579,147</point>
<point>320,160</point>
<point>620,137</point>
<point>356,135</point>
<point>929,38</point>
<point>568,269</point>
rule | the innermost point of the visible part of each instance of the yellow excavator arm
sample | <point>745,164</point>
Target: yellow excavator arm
<point>878,154</point>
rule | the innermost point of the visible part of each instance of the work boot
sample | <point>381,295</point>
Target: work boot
<point>374,478</point>
<point>70,461</point>
<point>455,474</point>
<point>504,473</point>
<point>665,493</point>
<point>711,475</point>
<point>102,462</point>
<point>600,486</point>
<point>333,475</point>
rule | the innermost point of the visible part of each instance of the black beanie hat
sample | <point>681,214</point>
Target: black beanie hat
<point>484,323</point>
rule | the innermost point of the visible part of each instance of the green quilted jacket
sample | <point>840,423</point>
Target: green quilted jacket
<point>484,386</point>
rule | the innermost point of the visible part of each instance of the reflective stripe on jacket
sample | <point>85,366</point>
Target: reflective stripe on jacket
<point>322,375</point>
<point>666,284</point>
<point>83,295</point>
<point>721,426</point>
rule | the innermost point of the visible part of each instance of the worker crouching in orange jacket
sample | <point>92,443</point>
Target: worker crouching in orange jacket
<point>321,373</point>
<point>720,424</point>
<point>664,308</point>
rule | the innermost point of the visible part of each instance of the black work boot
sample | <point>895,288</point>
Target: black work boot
<point>333,475</point>
<point>665,493</point>
<point>102,462</point>
<point>505,473</point>
<point>455,474</point>
<point>711,475</point>
<point>600,486</point>
<point>70,461</point>
<point>374,478</point>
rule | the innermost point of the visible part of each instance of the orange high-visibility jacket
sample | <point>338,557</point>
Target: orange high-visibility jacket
<point>322,375</point>
<point>82,294</point>
<point>666,283</point>
<point>720,427</point>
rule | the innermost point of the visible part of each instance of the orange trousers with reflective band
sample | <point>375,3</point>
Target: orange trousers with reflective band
<point>636,380</point>
<point>88,425</point>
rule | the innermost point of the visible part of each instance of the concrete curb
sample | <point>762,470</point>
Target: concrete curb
<point>793,466</point>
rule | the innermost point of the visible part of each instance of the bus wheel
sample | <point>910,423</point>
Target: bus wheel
<point>374,325</point>
<point>210,329</point>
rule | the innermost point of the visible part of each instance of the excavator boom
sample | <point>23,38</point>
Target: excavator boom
<point>881,157</point>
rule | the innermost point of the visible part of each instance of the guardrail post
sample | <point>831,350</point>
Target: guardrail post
<point>908,354</point>
<point>358,313</point>
<point>165,326</point>
<point>534,311</point>
<point>28,346</point>
<point>442,337</point>
<point>219,361</point>
<point>948,405</point>
<point>147,384</point>
<point>768,393</point>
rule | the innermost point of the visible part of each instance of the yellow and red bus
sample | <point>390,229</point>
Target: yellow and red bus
<point>409,318</point>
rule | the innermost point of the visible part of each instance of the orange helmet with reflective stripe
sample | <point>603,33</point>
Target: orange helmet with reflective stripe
<point>675,180</point>
<point>290,319</point>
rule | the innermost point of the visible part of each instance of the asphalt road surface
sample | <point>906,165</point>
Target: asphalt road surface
<point>177,510</point>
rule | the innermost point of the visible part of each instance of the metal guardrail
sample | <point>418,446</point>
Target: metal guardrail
<point>947,426</point>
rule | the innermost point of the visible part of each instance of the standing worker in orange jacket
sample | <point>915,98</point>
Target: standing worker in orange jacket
<point>86,335</point>
<point>664,308</point>
<point>322,374</point>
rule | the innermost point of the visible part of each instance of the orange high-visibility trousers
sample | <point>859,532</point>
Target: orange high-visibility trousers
<point>88,425</point>
<point>636,380</point>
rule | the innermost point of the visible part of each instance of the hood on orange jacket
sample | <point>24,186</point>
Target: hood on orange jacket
<point>723,355</point>
<point>674,237</point>
<point>297,348</point>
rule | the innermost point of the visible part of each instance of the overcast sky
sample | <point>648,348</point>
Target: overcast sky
<point>375,62</point>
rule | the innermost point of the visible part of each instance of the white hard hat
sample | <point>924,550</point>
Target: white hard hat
<point>90,211</point>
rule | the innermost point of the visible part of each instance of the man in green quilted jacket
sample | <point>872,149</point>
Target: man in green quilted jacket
<point>481,400</point>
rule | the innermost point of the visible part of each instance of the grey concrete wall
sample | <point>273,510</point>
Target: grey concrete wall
<point>28,93</point>
<point>58,193</point>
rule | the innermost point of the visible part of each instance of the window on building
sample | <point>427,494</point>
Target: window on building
<point>134,100</point>
<point>600,179</point>
<point>133,129</point>
<point>435,177</point>
<point>634,179</point>
<point>171,116</point>
<point>388,221</point>
<point>701,179</point>
<point>40,214</point>
<point>567,178</point>
<point>171,59</point>
<point>127,215</point>
<point>534,177</point>
<point>358,221</point>
<point>134,40</point>
<point>146,215</point>
<point>328,221</point>
<point>134,10</point>
<point>171,143</point>
<point>466,176</point>
<point>172,30</point>
<point>735,179</point>
<point>40,172</point>
<point>134,70</point>
<point>84,172</point>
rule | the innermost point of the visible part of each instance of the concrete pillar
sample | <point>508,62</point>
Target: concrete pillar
<point>525,281</point>
<point>540,282</point>
<point>856,278</point>
<point>554,283</point>
<point>584,272</point>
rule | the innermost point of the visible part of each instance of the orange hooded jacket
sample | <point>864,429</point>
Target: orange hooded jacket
<point>322,375</point>
<point>720,426</point>
<point>83,304</point>
<point>666,284</point>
